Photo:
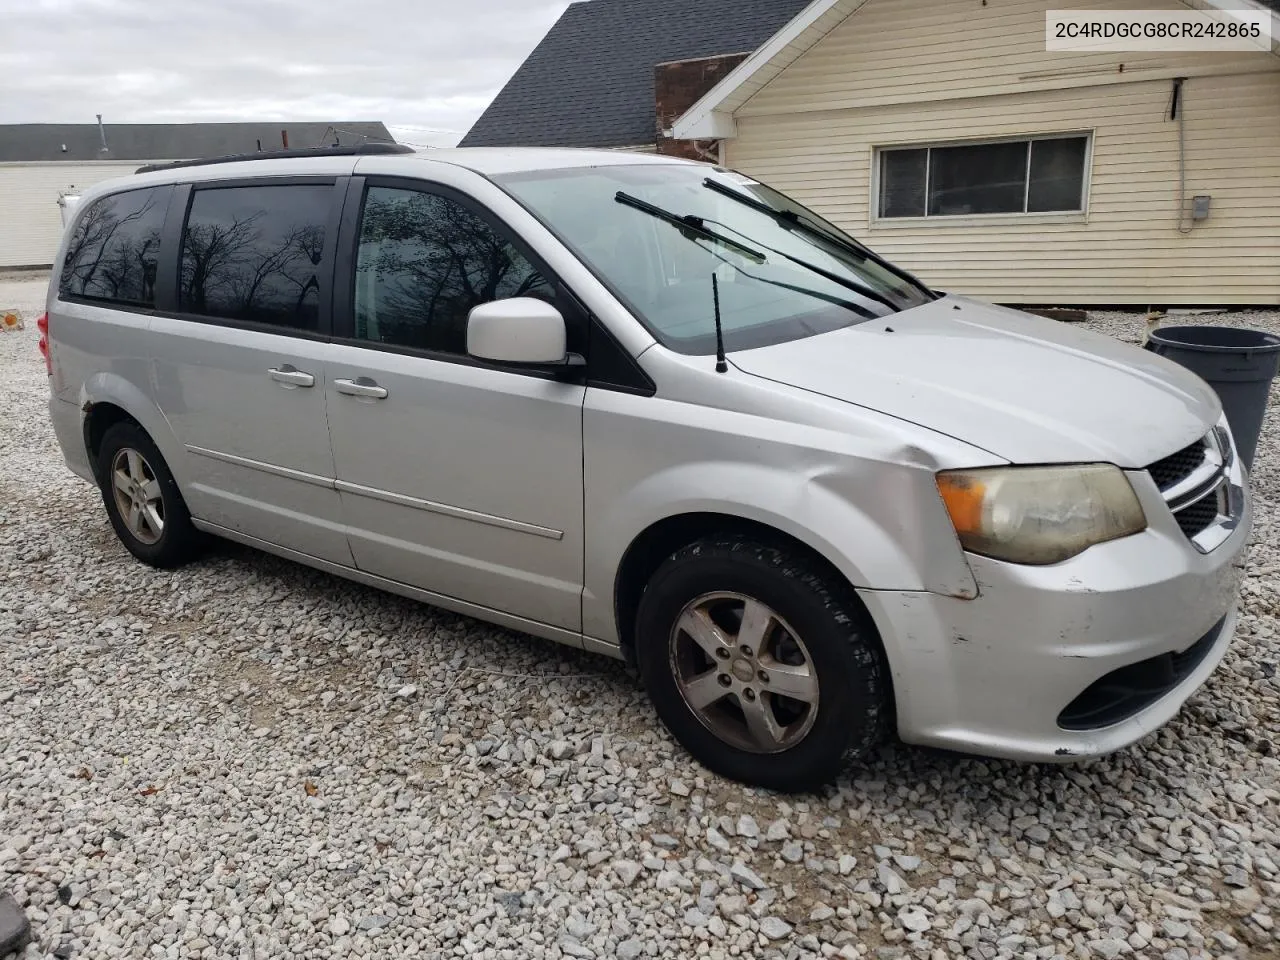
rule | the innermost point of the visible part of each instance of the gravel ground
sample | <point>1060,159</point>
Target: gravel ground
<point>249,759</point>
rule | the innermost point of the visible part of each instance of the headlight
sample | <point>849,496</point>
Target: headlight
<point>1039,515</point>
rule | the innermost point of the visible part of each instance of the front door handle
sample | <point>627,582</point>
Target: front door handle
<point>291,376</point>
<point>361,387</point>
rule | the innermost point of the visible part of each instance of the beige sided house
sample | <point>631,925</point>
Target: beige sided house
<point>943,134</point>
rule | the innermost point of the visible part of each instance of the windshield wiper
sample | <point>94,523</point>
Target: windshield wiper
<point>695,229</point>
<point>690,226</point>
<point>816,294</point>
<point>794,221</point>
<point>796,288</point>
<point>845,282</point>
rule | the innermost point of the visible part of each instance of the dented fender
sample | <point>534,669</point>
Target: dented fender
<point>866,501</point>
<point>107,387</point>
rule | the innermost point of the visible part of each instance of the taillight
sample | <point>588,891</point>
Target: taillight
<point>43,326</point>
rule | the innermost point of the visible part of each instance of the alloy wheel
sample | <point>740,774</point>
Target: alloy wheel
<point>137,495</point>
<point>744,672</point>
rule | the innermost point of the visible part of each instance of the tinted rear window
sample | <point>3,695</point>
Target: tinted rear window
<point>115,249</point>
<point>253,253</point>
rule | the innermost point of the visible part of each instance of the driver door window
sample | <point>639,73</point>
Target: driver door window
<point>424,261</point>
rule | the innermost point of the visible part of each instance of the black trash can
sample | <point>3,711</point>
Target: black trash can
<point>1239,364</point>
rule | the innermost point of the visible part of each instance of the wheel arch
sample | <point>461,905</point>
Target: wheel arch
<point>653,545</point>
<point>107,399</point>
<point>98,419</point>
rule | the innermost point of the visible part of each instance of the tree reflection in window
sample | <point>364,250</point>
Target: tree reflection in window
<point>251,253</point>
<point>115,248</point>
<point>424,262</point>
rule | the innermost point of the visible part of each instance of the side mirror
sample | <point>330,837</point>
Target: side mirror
<point>522,331</point>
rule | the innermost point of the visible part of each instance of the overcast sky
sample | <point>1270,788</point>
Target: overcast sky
<point>426,68</point>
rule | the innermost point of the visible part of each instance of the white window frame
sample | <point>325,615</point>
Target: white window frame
<point>1080,214</point>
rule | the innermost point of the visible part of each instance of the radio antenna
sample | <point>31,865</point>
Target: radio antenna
<point>722,365</point>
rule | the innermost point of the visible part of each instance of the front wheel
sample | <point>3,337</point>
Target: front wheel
<point>762,664</point>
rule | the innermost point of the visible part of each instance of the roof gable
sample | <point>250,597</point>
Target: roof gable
<point>589,83</point>
<point>45,142</point>
<point>713,114</point>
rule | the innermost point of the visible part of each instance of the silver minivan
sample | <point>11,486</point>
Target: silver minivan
<point>656,410</point>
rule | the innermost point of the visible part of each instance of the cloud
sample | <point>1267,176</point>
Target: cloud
<point>427,68</point>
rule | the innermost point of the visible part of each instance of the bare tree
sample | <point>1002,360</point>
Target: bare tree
<point>90,233</point>
<point>241,270</point>
<point>128,271</point>
<point>211,255</point>
<point>434,261</point>
<point>97,256</point>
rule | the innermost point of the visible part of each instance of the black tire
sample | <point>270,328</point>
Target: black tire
<point>842,647</point>
<point>178,541</point>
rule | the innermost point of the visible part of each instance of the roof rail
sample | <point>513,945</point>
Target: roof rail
<point>356,150</point>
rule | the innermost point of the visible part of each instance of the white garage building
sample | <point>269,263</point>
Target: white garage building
<point>41,161</point>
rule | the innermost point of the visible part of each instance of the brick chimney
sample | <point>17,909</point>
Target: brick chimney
<point>677,86</point>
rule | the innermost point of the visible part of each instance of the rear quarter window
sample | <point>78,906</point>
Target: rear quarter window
<point>114,249</point>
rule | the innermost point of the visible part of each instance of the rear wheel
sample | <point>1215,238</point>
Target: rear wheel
<point>761,664</point>
<point>143,503</point>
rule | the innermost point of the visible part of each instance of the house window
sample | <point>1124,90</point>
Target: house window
<point>1044,175</point>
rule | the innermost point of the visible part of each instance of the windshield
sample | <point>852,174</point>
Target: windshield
<point>656,233</point>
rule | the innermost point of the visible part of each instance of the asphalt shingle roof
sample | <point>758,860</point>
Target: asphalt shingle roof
<point>589,83</point>
<point>171,141</point>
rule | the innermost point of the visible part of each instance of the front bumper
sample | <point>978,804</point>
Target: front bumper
<point>997,675</point>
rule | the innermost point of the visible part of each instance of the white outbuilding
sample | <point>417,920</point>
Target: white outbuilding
<point>40,162</point>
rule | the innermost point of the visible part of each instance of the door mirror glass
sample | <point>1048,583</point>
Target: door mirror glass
<point>520,330</point>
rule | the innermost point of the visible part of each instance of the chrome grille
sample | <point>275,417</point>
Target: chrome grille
<point>1195,483</point>
<point>1196,518</point>
<point>1175,467</point>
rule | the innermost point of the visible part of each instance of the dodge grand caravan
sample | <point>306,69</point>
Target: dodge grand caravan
<point>656,410</point>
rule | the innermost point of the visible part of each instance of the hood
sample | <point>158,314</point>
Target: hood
<point>1024,388</point>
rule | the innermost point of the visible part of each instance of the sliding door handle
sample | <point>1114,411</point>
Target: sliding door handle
<point>361,387</point>
<point>291,376</point>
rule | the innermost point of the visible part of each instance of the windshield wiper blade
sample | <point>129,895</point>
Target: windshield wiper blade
<point>796,288</point>
<point>689,225</point>
<point>816,294</point>
<point>789,218</point>
<point>694,228</point>
<point>793,220</point>
<point>845,282</point>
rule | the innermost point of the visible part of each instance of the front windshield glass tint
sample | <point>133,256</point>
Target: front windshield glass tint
<point>778,280</point>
